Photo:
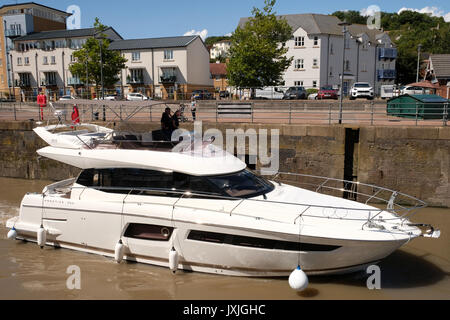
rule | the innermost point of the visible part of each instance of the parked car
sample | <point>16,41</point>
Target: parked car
<point>201,95</point>
<point>312,96</point>
<point>66,98</point>
<point>135,96</point>
<point>269,93</point>
<point>224,94</point>
<point>295,93</point>
<point>327,92</point>
<point>411,90</point>
<point>362,90</point>
<point>109,97</point>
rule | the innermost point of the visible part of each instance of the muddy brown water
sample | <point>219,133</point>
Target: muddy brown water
<point>420,270</point>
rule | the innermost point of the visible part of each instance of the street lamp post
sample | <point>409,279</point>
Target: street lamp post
<point>418,61</point>
<point>101,74</point>
<point>344,25</point>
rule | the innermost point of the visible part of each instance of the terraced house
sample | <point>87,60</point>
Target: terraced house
<point>18,20</point>
<point>169,67</point>
<point>317,47</point>
<point>41,60</point>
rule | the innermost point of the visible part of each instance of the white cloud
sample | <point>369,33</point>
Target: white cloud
<point>447,17</point>
<point>433,11</point>
<point>228,34</point>
<point>203,34</point>
<point>370,11</point>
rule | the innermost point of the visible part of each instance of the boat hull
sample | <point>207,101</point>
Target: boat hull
<point>70,225</point>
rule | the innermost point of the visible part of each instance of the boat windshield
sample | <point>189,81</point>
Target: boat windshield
<point>243,184</point>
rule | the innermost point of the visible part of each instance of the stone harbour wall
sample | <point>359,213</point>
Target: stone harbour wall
<point>412,160</point>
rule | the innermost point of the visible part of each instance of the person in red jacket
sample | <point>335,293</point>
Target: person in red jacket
<point>75,116</point>
<point>42,103</point>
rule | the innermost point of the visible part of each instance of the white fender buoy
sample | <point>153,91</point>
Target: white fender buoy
<point>298,280</point>
<point>12,234</point>
<point>41,237</point>
<point>119,251</point>
<point>173,260</point>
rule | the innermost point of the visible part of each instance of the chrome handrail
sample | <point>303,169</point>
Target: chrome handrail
<point>179,195</point>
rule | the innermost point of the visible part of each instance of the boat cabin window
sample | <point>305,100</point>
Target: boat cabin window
<point>243,184</point>
<point>124,180</point>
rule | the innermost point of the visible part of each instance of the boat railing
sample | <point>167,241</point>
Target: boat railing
<point>396,202</point>
<point>367,216</point>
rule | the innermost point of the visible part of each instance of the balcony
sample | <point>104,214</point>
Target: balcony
<point>22,84</point>
<point>74,81</point>
<point>387,74</point>
<point>168,79</point>
<point>387,53</point>
<point>135,80</point>
<point>13,33</point>
<point>48,82</point>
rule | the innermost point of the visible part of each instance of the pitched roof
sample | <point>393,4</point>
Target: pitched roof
<point>218,68</point>
<point>152,43</point>
<point>72,33</point>
<point>441,65</point>
<point>35,4</point>
<point>323,24</point>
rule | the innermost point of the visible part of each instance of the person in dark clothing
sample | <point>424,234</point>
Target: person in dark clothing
<point>167,124</point>
<point>176,120</point>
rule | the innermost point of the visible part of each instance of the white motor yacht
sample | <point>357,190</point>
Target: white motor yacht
<point>147,201</point>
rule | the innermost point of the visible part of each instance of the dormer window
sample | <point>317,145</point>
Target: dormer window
<point>299,41</point>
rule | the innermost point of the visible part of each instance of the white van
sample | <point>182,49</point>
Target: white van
<point>387,91</point>
<point>269,93</point>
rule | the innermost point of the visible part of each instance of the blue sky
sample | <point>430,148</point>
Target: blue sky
<point>156,18</point>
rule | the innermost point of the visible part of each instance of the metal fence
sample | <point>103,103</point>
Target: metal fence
<point>274,112</point>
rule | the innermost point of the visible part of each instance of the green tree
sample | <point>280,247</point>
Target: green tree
<point>350,16</point>
<point>258,50</point>
<point>88,59</point>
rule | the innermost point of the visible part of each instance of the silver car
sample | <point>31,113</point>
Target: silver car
<point>137,97</point>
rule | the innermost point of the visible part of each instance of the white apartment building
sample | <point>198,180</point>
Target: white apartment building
<point>317,48</point>
<point>41,61</point>
<point>220,49</point>
<point>161,67</point>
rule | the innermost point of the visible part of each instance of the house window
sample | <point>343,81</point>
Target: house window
<point>19,61</point>
<point>314,84</point>
<point>316,41</point>
<point>27,61</point>
<point>298,83</point>
<point>53,59</point>
<point>44,60</point>
<point>299,41</point>
<point>364,67</point>
<point>136,76</point>
<point>136,56</point>
<point>299,64</point>
<point>331,49</point>
<point>72,58</point>
<point>315,63</point>
<point>168,54</point>
<point>347,65</point>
